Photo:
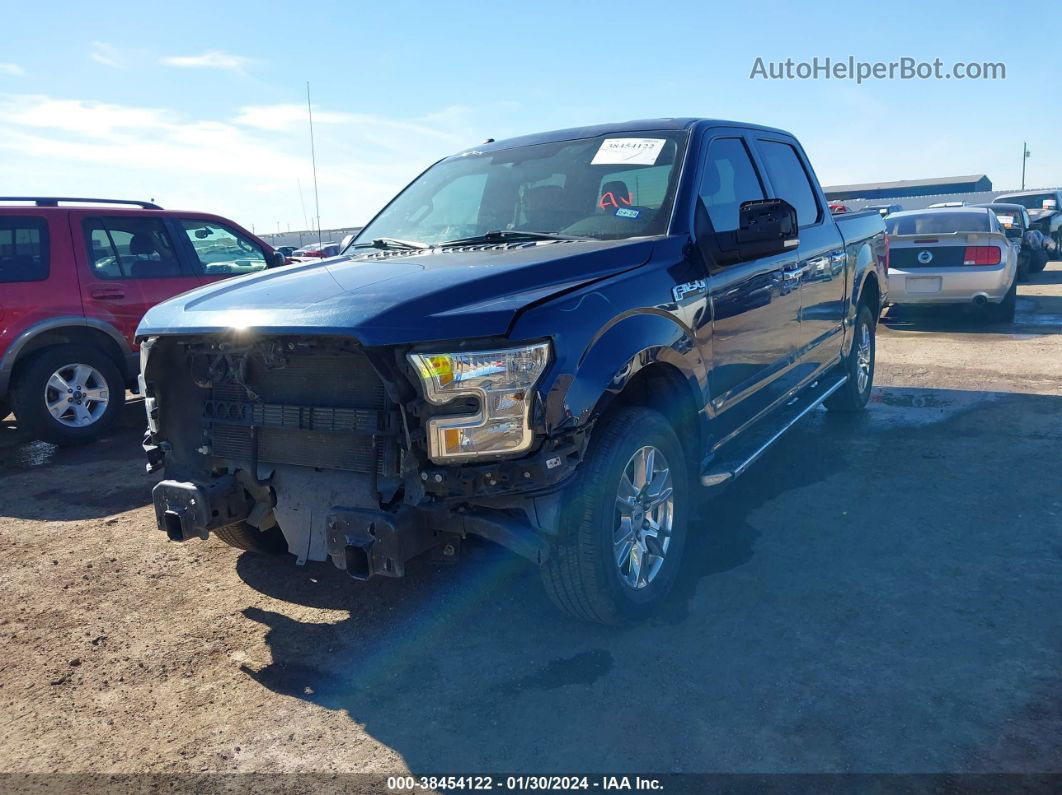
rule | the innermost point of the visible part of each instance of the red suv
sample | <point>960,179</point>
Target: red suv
<point>75,280</point>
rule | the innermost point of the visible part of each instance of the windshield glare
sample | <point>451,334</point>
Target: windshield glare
<point>607,188</point>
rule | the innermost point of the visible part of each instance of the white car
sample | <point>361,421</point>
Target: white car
<point>954,255</point>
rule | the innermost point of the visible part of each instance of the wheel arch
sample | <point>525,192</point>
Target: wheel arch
<point>63,331</point>
<point>646,358</point>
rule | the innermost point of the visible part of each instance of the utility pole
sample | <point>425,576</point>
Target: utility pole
<point>313,161</point>
<point>1024,156</point>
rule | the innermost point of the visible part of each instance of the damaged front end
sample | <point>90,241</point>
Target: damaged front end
<point>336,447</point>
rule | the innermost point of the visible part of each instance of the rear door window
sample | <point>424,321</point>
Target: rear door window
<point>789,179</point>
<point>221,251</point>
<point>23,249</point>
<point>126,247</point>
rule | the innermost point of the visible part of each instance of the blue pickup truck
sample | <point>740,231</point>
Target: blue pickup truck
<point>550,342</point>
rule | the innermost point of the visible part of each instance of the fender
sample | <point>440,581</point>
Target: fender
<point>615,355</point>
<point>7,363</point>
<point>867,264</point>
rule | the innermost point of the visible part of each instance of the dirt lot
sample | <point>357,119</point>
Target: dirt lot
<point>878,594</point>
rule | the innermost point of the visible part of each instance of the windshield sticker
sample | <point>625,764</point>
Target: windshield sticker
<point>628,151</point>
<point>624,212</point>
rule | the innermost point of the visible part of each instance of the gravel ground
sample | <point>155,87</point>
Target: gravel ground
<point>879,594</point>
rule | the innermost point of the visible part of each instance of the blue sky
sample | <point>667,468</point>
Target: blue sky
<point>202,105</point>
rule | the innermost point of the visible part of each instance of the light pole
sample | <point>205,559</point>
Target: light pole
<point>1024,156</point>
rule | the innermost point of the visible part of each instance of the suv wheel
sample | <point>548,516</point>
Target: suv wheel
<point>69,394</point>
<point>625,522</point>
<point>859,366</point>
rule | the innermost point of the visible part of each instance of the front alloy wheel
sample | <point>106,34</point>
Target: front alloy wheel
<point>645,509</point>
<point>77,395</point>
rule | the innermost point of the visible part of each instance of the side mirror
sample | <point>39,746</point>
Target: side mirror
<point>346,241</point>
<point>279,260</point>
<point>766,227</point>
<point>1012,231</point>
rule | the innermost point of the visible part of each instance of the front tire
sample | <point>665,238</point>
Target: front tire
<point>624,522</point>
<point>858,366</point>
<point>250,539</point>
<point>69,394</point>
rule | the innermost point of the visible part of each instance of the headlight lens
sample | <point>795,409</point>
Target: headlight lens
<point>501,380</point>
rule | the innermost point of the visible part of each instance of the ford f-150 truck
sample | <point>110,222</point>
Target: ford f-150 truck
<point>549,342</point>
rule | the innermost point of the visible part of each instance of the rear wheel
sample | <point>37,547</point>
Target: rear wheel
<point>1003,312</point>
<point>5,408</point>
<point>624,522</point>
<point>69,394</point>
<point>1040,260</point>
<point>247,537</point>
<point>1025,264</point>
<point>858,366</point>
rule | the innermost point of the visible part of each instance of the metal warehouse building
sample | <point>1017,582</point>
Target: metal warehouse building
<point>906,188</point>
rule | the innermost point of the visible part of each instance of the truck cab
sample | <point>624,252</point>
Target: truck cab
<point>550,342</point>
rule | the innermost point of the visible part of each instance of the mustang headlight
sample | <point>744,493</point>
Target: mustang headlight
<point>500,380</point>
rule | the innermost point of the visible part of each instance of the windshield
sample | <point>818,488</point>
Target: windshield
<point>607,188</point>
<point>1034,202</point>
<point>938,223</point>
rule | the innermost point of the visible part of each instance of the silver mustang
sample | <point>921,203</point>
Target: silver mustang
<point>953,255</point>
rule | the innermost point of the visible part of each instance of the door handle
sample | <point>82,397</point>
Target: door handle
<point>107,293</point>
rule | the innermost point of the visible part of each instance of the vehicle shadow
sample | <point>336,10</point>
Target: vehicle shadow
<point>818,624</point>
<point>1035,315</point>
<point>43,481</point>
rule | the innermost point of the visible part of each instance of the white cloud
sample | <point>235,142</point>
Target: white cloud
<point>107,54</point>
<point>12,69</point>
<point>247,166</point>
<point>213,59</point>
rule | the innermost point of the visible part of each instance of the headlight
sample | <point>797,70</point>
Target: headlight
<point>501,381</point>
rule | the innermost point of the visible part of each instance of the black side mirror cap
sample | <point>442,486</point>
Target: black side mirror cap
<point>766,227</point>
<point>279,260</point>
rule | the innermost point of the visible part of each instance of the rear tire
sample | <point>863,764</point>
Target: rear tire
<point>246,537</point>
<point>69,394</point>
<point>1003,312</point>
<point>858,365</point>
<point>606,566</point>
<point>5,408</point>
<point>1040,260</point>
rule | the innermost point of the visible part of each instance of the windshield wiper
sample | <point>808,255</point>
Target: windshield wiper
<point>505,236</point>
<point>392,243</point>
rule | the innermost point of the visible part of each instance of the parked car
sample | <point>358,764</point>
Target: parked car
<point>885,210</point>
<point>287,251</point>
<point>1045,214</point>
<point>957,255</point>
<point>1014,218</point>
<point>545,341</point>
<point>837,208</point>
<point>317,251</point>
<point>944,205</point>
<point>76,276</point>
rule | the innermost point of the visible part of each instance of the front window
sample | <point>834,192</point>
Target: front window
<point>222,251</point>
<point>607,188</point>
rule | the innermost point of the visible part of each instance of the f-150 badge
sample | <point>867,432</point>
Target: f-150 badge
<point>682,290</point>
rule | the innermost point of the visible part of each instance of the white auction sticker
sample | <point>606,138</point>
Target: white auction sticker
<point>628,151</point>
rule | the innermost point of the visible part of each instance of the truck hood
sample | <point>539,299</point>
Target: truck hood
<point>1039,215</point>
<point>386,298</point>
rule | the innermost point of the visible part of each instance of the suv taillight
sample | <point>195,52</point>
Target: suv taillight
<point>981,255</point>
